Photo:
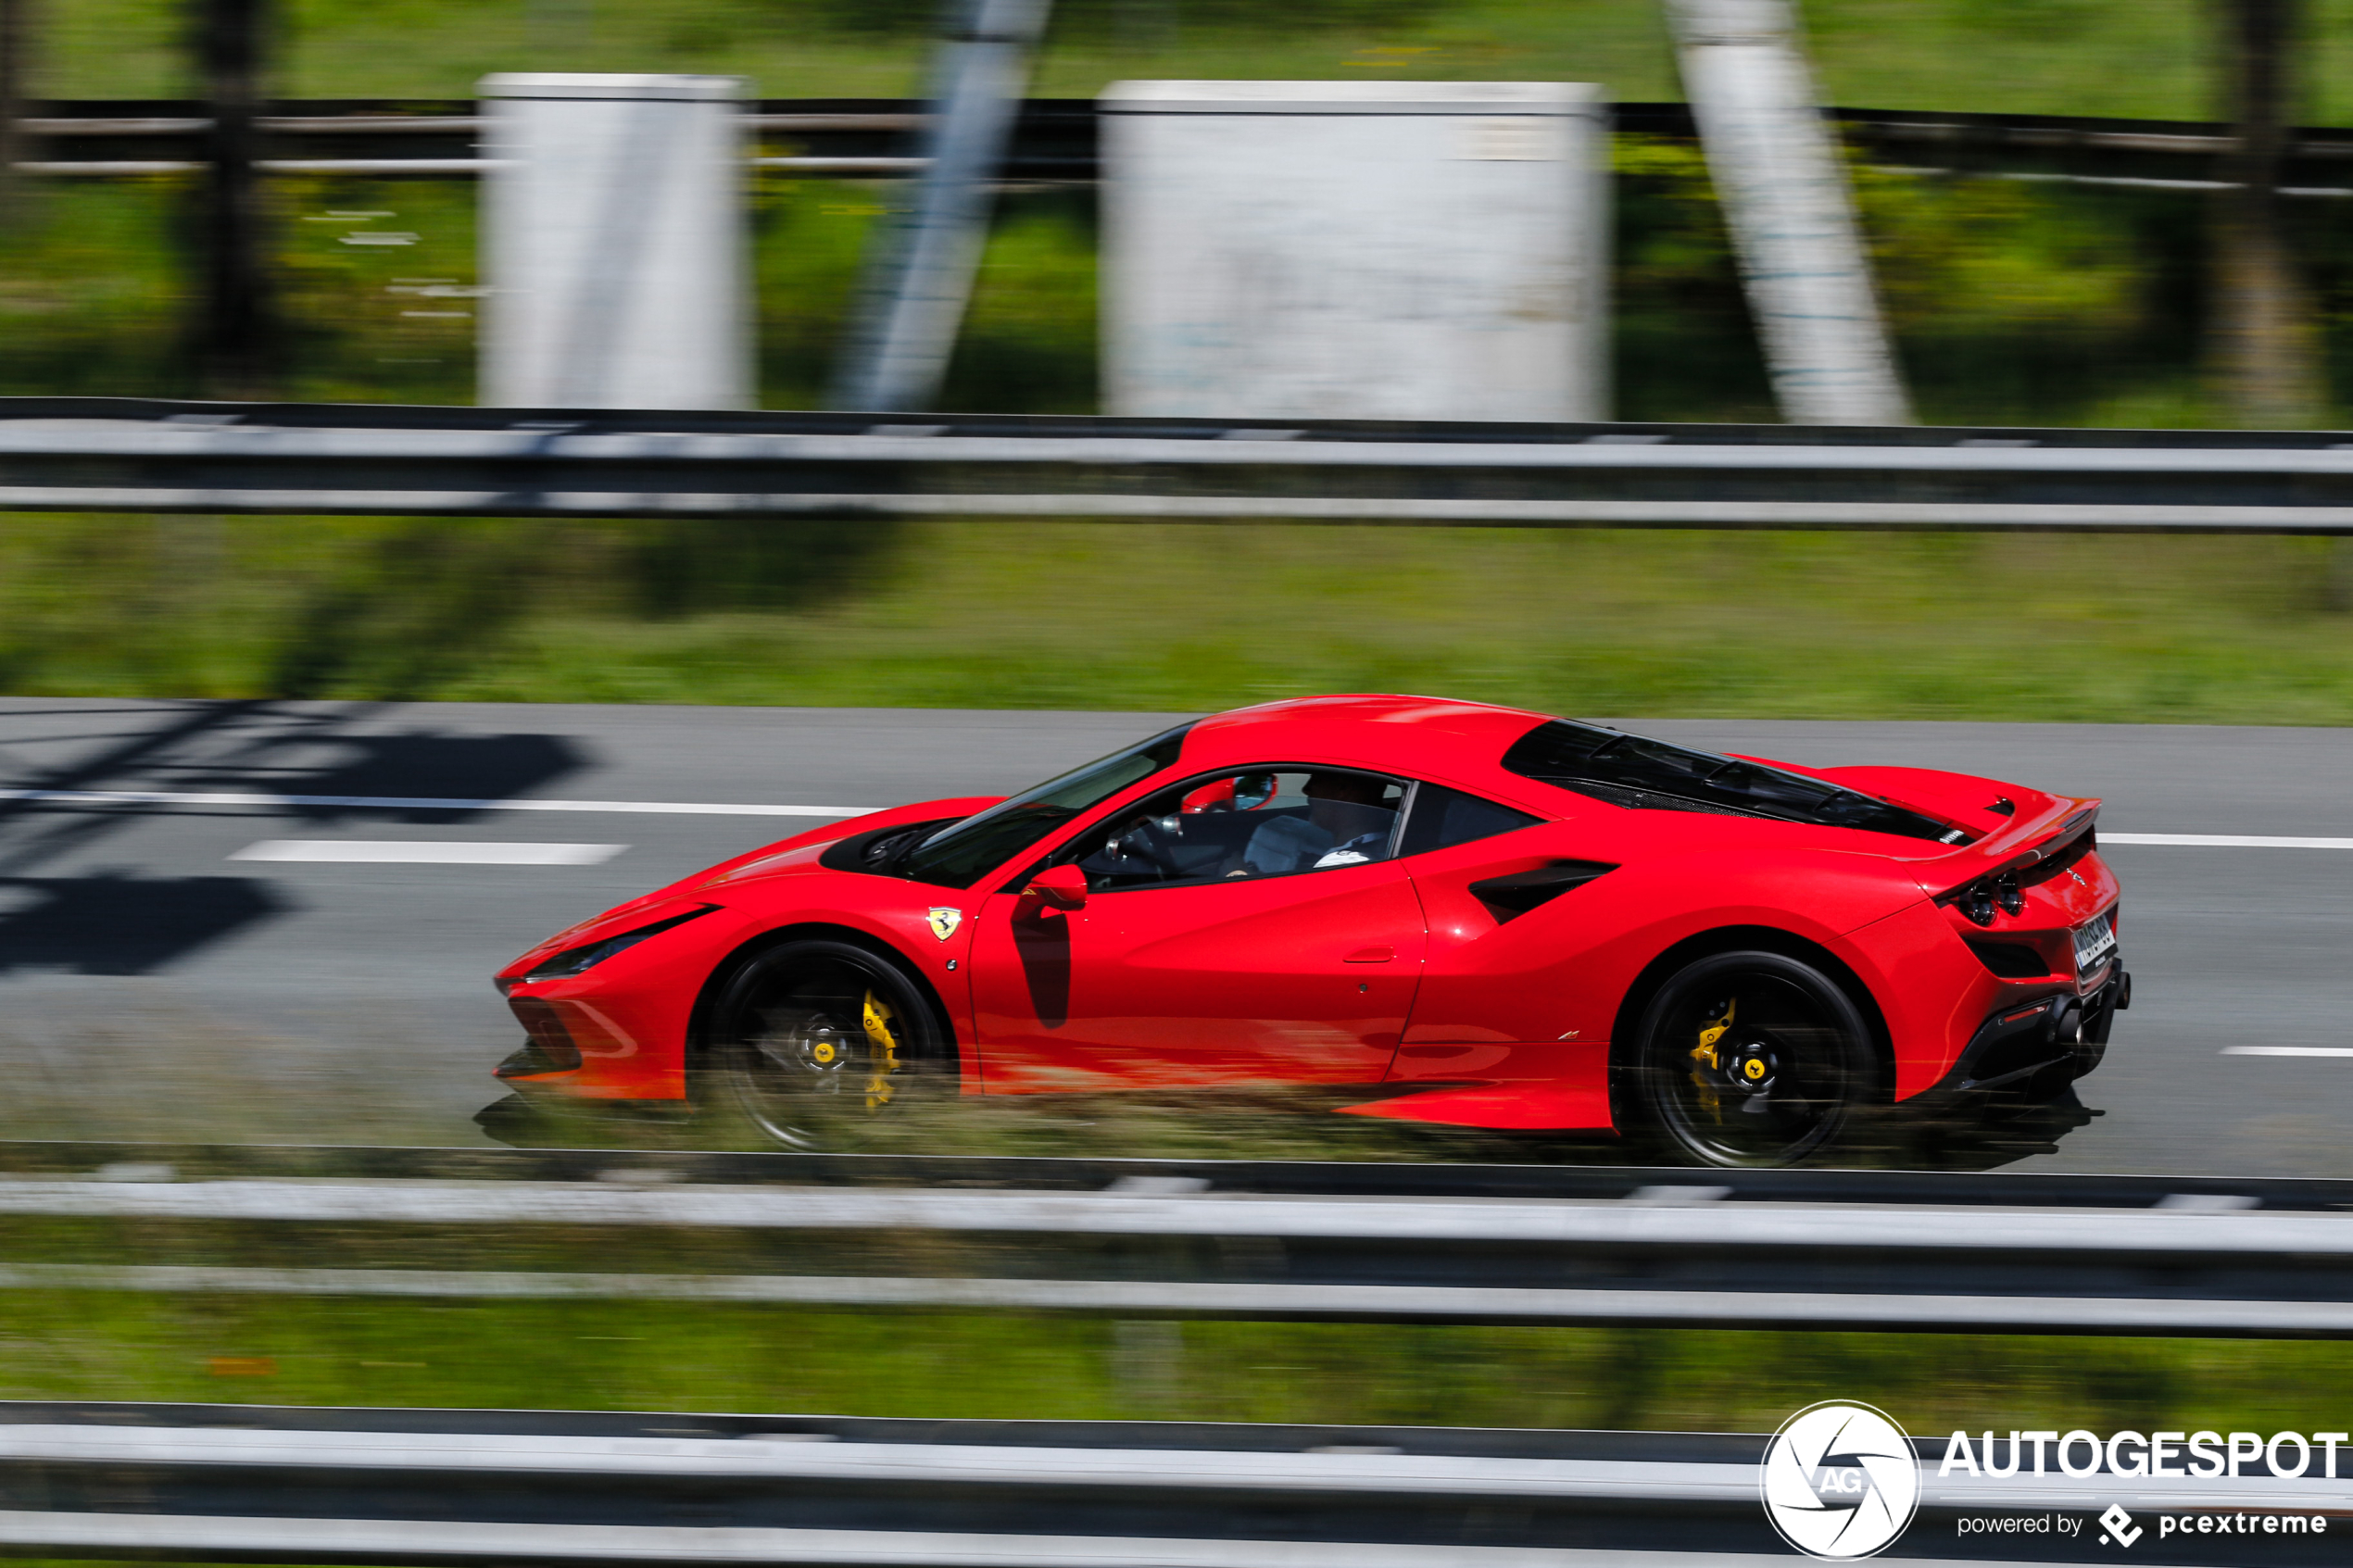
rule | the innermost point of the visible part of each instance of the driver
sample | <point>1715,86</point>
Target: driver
<point>1346,824</point>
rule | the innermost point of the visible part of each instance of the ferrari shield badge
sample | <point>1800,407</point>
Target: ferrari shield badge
<point>945,922</point>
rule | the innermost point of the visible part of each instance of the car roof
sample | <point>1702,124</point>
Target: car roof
<point>1391,732</point>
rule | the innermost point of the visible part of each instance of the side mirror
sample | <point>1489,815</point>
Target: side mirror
<point>1216,796</point>
<point>1059,888</point>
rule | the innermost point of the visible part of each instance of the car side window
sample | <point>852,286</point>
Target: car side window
<point>1443,818</point>
<point>1248,824</point>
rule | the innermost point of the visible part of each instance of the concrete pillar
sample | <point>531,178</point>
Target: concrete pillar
<point>1344,250</point>
<point>1777,169</point>
<point>613,244</point>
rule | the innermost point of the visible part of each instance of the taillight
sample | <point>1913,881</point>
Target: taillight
<point>1979,900</point>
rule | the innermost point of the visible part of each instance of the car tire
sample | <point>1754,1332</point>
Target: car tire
<point>814,1044</point>
<point>1752,1060</point>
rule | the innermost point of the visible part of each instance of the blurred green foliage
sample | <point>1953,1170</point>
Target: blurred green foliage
<point>376,285</point>
<point>656,1356</point>
<point>1027,344</point>
<point>2012,302</point>
<point>2135,57</point>
<point>1131,21</point>
<point>367,321</point>
<point>95,286</point>
<point>91,291</point>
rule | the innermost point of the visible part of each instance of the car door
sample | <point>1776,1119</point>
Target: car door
<point>1251,926</point>
<point>1496,1000</point>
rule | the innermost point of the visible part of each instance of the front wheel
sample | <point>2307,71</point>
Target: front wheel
<point>1752,1059</point>
<point>814,1042</point>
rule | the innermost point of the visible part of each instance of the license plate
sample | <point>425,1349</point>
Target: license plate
<point>2093,943</point>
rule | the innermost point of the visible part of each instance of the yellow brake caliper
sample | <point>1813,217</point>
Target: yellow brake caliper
<point>884,1051</point>
<point>1711,1034</point>
<point>1713,1031</point>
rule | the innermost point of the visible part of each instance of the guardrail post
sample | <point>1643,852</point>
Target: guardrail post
<point>236,336</point>
<point>612,242</point>
<point>2265,338</point>
<point>16,38</point>
<point>1777,171</point>
<point>919,274</point>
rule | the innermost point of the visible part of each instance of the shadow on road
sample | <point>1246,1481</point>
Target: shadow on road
<point>118,924</point>
<point>419,765</point>
<point>2001,1140</point>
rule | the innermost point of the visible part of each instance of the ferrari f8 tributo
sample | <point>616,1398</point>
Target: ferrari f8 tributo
<point>1490,918</point>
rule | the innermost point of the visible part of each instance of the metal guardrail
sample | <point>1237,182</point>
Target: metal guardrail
<point>1056,141</point>
<point>129,454</point>
<point>426,1485</point>
<point>1670,1252</point>
<point>152,1161</point>
<point>837,137</point>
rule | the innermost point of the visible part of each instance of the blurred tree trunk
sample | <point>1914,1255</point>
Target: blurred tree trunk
<point>2266,343</point>
<point>237,338</point>
<point>16,40</point>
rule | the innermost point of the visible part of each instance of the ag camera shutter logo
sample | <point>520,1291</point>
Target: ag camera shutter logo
<point>1840,1481</point>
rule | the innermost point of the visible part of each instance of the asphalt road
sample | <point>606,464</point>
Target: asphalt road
<point>154,983</point>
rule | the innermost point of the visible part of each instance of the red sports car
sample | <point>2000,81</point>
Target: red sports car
<point>1500,919</point>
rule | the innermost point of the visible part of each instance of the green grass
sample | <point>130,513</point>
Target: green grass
<point>1130,616</point>
<point>590,1355</point>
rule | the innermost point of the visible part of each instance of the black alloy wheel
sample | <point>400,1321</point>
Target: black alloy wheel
<point>1752,1060</point>
<point>814,1042</point>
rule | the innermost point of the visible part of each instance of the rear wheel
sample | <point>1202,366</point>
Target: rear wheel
<point>1753,1059</point>
<point>814,1042</point>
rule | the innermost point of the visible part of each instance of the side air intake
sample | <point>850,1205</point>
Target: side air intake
<point>1508,897</point>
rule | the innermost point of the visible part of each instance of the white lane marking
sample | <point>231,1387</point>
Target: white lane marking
<point>416,803</point>
<point>2287,1050</point>
<point>414,852</point>
<point>2224,840</point>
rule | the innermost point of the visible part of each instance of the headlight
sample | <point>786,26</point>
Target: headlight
<point>577,960</point>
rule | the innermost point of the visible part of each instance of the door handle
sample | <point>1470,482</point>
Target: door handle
<point>1370,955</point>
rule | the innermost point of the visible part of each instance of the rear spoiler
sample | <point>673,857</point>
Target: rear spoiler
<point>1990,873</point>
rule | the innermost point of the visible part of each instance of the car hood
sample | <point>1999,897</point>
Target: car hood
<point>711,883</point>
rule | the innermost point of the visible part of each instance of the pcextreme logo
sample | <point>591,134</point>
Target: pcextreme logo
<point>1840,1481</point>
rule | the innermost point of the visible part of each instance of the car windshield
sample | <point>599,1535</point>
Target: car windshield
<point>959,853</point>
<point>1630,770</point>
